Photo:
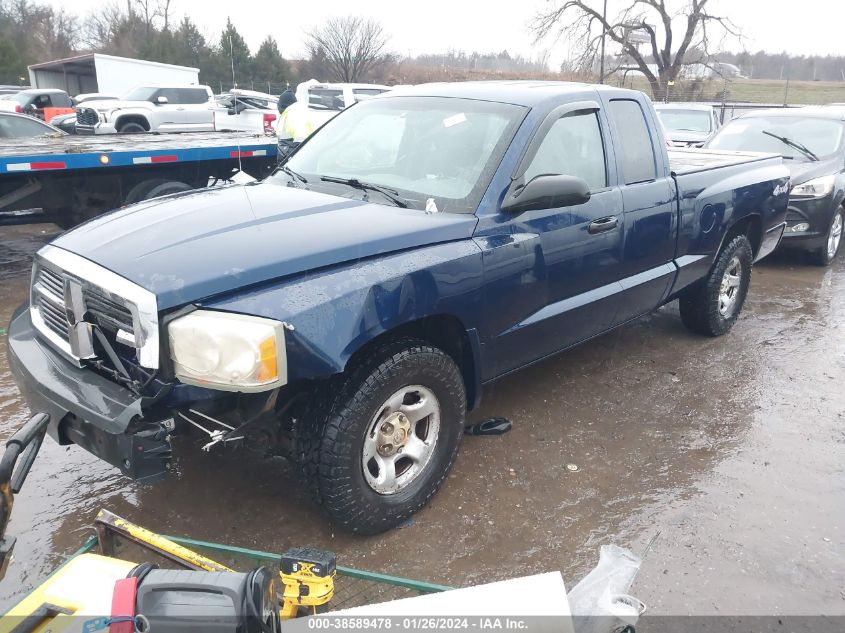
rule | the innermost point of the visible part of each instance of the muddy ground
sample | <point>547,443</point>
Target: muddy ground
<point>727,454</point>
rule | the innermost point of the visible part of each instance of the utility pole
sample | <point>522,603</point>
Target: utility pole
<point>603,34</point>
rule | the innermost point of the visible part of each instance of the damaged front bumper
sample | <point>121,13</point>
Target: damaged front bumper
<point>86,408</point>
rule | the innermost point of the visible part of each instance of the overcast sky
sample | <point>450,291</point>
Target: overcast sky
<point>808,27</point>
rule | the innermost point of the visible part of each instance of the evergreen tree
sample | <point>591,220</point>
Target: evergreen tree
<point>233,51</point>
<point>269,67</point>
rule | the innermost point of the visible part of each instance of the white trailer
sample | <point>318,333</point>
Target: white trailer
<point>95,72</point>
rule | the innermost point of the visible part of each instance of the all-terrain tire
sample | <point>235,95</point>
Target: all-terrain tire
<point>700,304</point>
<point>825,255</point>
<point>329,445</point>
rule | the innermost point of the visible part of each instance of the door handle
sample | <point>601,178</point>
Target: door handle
<point>602,225</point>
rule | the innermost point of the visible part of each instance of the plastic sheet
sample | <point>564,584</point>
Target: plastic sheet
<point>600,602</point>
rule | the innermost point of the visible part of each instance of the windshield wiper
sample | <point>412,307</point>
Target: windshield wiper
<point>294,175</point>
<point>390,194</point>
<point>794,144</point>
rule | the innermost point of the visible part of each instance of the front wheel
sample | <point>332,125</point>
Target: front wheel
<point>383,445</point>
<point>828,252</point>
<point>131,128</point>
<point>712,305</point>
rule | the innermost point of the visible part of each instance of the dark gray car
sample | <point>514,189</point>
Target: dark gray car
<point>812,142</point>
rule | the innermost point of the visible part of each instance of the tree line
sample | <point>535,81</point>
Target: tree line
<point>142,29</point>
<point>354,48</point>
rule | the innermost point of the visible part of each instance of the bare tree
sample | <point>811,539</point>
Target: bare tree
<point>672,33</point>
<point>352,46</point>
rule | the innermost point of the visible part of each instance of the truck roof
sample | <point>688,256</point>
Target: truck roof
<point>518,92</point>
<point>42,91</point>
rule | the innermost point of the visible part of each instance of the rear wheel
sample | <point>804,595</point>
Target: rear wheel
<point>154,188</point>
<point>827,253</point>
<point>380,448</point>
<point>712,305</point>
<point>139,192</point>
<point>166,188</point>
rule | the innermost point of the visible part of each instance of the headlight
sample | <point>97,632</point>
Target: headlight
<point>233,352</point>
<point>816,188</point>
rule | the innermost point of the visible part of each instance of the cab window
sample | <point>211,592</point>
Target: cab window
<point>573,146</point>
<point>637,151</point>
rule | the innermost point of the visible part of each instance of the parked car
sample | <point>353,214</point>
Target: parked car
<point>247,111</point>
<point>65,122</point>
<point>688,124</point>
<point>812,141</point>
<point>150,109</point>
<point>13,125</point>
<point>317,103</point>
<point>38,102</point>
<point>351,308</point>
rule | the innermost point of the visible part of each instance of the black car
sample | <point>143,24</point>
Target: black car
<point>812,142</point>
<point>14,125</point>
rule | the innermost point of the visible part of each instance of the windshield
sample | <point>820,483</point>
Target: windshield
<point>686,120</point>
<point>425,148</point>
<point>823,137</point>
<point>144,93</point>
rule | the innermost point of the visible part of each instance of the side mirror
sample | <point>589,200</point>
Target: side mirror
<point>161,100</point>
<point>547,192</point>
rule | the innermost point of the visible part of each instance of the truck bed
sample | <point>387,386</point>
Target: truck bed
<point>80,152</point>
<point>683,162</point>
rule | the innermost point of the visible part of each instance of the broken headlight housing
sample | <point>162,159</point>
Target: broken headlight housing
<point>232,352</point>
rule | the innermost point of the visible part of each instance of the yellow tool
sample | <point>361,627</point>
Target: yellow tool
<point>308,576</point>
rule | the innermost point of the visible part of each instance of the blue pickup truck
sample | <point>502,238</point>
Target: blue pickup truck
<point>349,310</point>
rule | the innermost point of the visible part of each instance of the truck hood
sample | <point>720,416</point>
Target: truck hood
<point>187,247</point>
<point>112,104</point>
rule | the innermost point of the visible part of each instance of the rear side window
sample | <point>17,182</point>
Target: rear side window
<point>325,98</point>
<point>572,147</point>
<point>636,149</point>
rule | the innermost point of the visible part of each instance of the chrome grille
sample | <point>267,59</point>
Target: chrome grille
<point>53,282</point>
<point>87,116</point>
<point>108,313</point>
<point>53,313</point>
<point>70,295</point>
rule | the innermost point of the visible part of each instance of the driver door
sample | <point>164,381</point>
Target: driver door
<point>564,264</point>
<point>170,115</point>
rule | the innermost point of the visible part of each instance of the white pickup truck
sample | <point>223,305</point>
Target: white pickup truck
<point>246,111</point>
<point>150,109</point>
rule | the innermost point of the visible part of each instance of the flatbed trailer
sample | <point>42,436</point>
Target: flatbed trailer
<point>69,179</point>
